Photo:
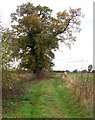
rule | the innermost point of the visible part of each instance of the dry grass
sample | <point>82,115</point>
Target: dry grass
<point>82,87</point>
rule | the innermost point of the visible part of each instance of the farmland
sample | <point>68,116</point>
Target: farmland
<point>48,98</point>
<point>31,88</point>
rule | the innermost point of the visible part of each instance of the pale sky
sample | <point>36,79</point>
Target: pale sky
<point>81,53</point>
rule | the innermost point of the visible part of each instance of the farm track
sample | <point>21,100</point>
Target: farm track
<point>48,102</point>
<point>47,99</point>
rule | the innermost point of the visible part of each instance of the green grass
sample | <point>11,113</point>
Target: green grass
<point>47,99</point>
<point>80,76</point>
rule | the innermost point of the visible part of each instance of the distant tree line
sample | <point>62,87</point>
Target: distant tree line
<point>58,71</point>
<point>90,70</point>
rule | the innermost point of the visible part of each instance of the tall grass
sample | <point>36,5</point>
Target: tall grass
<point>82,85</point>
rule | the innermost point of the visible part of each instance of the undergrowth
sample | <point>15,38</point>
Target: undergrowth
<point>47,99</point>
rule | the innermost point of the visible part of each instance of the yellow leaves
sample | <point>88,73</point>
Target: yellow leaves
<point>78,23</point>
<point>58,14</point>
<point>43,32</point>
<point>40,38</point>
<point>75,12</point>
<point>32,21</point>
<point>62,15</point>
<point>35,29</point>
<point>79,9</point>
<point>55,22</point>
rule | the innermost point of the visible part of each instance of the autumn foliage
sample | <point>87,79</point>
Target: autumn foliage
<point>37,34</point>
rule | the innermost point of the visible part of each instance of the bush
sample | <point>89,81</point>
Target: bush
<point>11,86</point>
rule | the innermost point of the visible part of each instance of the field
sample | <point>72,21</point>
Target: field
<point>83,85</point>
<point>47,98</point>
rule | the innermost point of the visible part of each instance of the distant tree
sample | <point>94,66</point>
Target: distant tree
<point>84,71</point>
<point>75,71</point>
<point>89,68</point>
<point>37,34</point>
<point>93,71</point>
<point>67,71</point>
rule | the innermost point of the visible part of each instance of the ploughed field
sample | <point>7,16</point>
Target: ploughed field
<point>48,98</point>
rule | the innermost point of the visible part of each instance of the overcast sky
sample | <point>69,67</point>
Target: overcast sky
<point>81,53</point>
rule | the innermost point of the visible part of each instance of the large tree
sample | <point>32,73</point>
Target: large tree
<point>37,34</point>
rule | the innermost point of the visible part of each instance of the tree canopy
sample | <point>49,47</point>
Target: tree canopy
<point>6,48</point>
<point>90,68</point>
<point>37,34</point>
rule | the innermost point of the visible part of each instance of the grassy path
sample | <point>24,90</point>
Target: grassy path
<point>48,99</point>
